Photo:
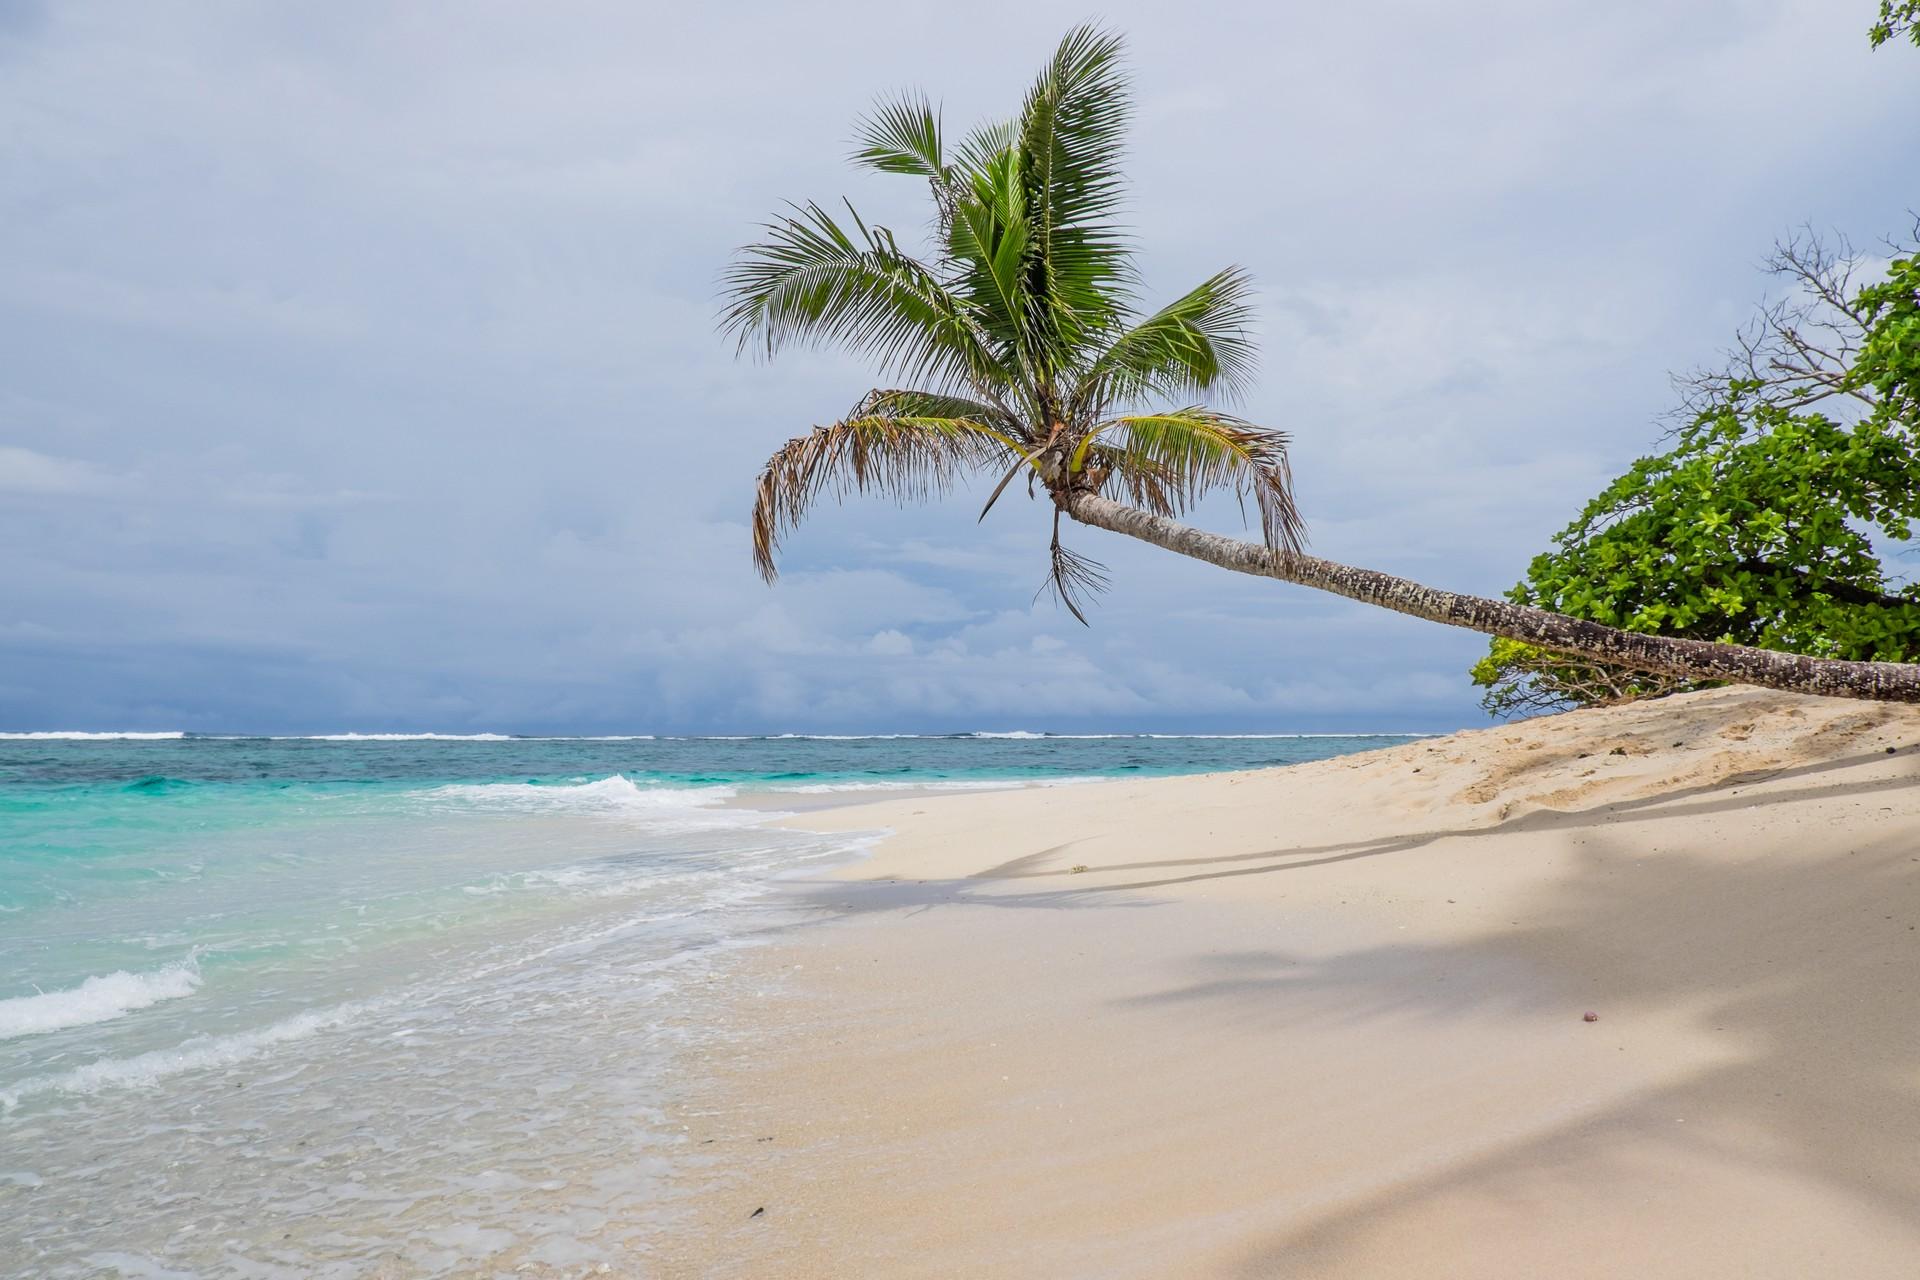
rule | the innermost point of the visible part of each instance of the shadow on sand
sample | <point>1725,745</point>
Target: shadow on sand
<point>1808,963</point>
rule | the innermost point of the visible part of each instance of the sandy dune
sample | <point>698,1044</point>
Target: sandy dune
<point>1327,1021</point>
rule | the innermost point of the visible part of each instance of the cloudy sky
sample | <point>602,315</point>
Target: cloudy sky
<point>358,367</point>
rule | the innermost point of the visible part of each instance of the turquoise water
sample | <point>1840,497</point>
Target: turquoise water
<point>319,1007</point>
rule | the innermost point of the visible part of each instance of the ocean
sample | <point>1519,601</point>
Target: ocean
<point>405,1005</point>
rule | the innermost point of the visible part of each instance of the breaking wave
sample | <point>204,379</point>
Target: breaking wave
<point>615,794</point>
<point>78,736</point>
<point>404,737</point>
<point>145,1069</point>
<point>98,999</point>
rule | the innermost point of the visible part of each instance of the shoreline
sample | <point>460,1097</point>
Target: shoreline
<point>1326,1020</point>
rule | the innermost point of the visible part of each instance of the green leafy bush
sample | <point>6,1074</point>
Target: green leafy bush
<point>1761,525</point>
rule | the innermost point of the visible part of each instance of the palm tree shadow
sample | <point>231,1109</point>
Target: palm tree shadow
<point>1687,801</point>
<point>826,899</point>
<point>1806,966</point>
<point>1804,962</point>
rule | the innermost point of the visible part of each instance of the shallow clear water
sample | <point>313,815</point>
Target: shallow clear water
<point>325,1007</point>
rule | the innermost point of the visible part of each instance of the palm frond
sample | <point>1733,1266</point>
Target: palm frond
<point>1188,453</point>
<point>894,402</point>
<point>1071,577</point>
<point>986,143</point>
<point>908,457</point>
<point>1024,460</point>
<point>1145,482</point>
<point>902,135</point>
<point>1195,344</point>
<point>1069,141</point>
<point>813,280</point>
<point>989,244</point>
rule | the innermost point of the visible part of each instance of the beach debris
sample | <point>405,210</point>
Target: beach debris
<point>756,1213</point>
<point>1077,868</point>
<point>1589,1016</point>
<point>1618,751</point>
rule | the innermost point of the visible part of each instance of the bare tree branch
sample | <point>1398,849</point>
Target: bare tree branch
<point>1797,350</point>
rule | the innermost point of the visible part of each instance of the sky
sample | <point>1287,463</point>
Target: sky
<point>358,366</point>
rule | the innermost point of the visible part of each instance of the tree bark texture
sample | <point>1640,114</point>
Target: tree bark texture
<point>1664,655</point>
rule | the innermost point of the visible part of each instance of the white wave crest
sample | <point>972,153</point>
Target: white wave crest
<point>463,737</point>
<point>843,737</point>
<point>614,794</point>
<point>401,737</point>
<point>199,1053</point>
<point>98,999</point>
<point>78,736</point>
<point>1021,735</point>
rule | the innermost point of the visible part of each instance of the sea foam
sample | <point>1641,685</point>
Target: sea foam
<point>199,1053</point>
<point>404,737</point>
<point>77,735</point>
<point>615,794</point>
<point>459,737</point>
<point>98,999</point>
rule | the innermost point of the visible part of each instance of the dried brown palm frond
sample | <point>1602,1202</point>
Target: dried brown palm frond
<point>909,459</point>
<point>1169,461</point>
<point>1071,576</point>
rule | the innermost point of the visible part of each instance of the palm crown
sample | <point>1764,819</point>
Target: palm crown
<point>1018,341</point>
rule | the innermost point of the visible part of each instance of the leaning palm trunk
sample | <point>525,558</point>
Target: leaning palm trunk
<point>1662,655</point>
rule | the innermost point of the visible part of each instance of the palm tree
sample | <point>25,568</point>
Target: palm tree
<point>1018,348</point>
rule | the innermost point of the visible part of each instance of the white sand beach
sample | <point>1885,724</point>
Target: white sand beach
<point>1328,1020</point>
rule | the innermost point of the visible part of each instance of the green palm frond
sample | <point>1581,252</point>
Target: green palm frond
<point>980,148</point>
<point>989,243</point>
<point>902,135</point>
<point>1069,142</point>
<point>813,280</point>
<point>1193,452</point>
<point>1195,344</point>
<point>908,457</point>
